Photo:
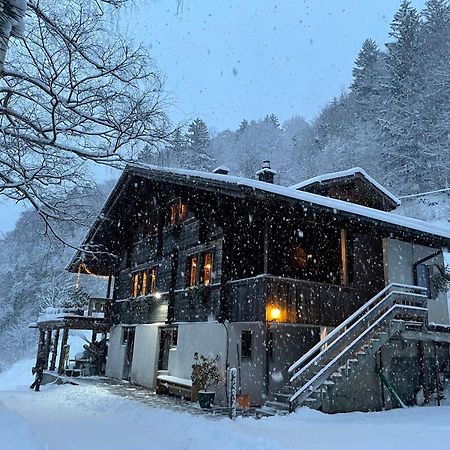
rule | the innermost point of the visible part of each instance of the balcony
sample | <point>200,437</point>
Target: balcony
<point>94,316</point>
<point>297,301</point>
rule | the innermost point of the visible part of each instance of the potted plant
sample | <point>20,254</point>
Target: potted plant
<point>205,374</point>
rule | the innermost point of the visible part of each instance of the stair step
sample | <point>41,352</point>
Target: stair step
<point>337,375</point>
<point>353,360</point>
<point>329,383</point>
<point>281,397</point>
<point>277,405</point>
<point>360,353</point>
<point>311,399</point>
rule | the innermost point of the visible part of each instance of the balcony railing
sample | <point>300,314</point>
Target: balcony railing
<point>299,301</point>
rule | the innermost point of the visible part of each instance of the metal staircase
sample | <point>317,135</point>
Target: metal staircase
<point>355,341</point>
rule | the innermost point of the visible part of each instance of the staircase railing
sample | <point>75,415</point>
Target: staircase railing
<point>322,360</point>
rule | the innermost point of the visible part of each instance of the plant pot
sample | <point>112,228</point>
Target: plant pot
<point>205,399</point>
<point>243,401</point>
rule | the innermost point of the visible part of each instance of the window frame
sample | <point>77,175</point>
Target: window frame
<point>176,212</point>
<point>143,282</point>
<point>246,344</point>
<point>199,278</point>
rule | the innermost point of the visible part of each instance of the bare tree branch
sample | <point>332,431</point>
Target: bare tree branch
<point>73,91</point>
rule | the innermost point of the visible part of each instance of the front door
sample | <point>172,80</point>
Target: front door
<point>128,341</point>
<point>168,339</point>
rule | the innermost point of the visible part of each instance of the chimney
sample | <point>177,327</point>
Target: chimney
<point>222,170</point>
<point>266,174</point>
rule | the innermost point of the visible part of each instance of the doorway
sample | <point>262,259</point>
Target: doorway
<point>128,335</point>
<point>168,339</point>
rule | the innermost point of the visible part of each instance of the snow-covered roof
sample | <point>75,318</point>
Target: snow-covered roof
<point>345,174</point>
<point>302,196</point>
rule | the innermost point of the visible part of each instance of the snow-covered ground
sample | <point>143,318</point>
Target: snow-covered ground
<point>90,417</point>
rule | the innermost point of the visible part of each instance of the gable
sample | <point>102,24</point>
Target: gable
<point>352,185</point>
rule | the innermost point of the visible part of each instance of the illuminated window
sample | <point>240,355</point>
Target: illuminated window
<point>199,269</point>
<point>152,280</point>
<point>177,212</point>
<point>207,269</point>
<point>192,271</point>
<point>135,284</point>
<point>144,282</point>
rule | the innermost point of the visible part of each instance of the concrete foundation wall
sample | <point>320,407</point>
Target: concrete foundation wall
<point>145,355</point>
<point>289,343</point>
<point>116,353</point>
<point>251,370</point>
<point>399,259</point>
<point>401,364</point>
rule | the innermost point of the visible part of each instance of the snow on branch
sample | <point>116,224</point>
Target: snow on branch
<point>73,91</point>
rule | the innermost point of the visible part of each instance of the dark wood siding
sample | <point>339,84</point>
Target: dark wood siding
<point>300,301</point>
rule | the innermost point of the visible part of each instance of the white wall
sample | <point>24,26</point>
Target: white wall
<point>399,259</point>
<point>145,355</point>
<point>116,353</point>
<point>210,339</point>
<point>206,338</point>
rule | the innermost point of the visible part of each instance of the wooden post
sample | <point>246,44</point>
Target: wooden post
<point>62,356</point>
<point>54,350</point>
<point>48,343</point>
<point>41,344</point>
<point>108,289</point>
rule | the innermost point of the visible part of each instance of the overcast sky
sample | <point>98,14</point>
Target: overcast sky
<point>225,60</point>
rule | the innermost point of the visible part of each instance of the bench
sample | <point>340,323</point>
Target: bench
<point>168,384</point>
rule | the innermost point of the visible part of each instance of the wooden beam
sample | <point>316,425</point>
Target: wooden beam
<point>54,350</point>
<point>108,289</point>
<point>48,343</point>
<point>41,344</point>
<point>62,355</point>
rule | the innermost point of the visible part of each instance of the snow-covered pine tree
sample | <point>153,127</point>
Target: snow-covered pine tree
<point>197,155</point>
<point>435,96</point>
<point>403,124</point>
<point>367,72</point>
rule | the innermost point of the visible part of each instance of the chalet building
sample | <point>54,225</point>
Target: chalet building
<point>316,292</point>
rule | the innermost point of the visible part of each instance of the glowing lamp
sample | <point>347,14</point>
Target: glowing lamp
<point>274,314</point>
<point>157,295</point>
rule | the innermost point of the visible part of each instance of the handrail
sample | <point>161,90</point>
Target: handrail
<point>347,331</point>
<point>349,319</point>
<point>348,348</point>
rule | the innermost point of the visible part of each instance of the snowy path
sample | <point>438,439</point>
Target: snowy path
<point>91,417</point>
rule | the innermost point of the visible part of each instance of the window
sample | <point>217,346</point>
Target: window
<point>199,269</point>
<point>135,284</point>
<point>144,282</point>
<point>177,212</point>
<point>246,344</point>
<point>192,270</point>
<point>152,280</point>
<point>207,266</point>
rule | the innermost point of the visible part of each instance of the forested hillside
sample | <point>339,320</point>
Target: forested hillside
<point>393,120</point>
<point>32,271</point>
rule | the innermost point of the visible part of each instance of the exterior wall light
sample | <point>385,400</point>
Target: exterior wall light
<point>157,295</point>
<point>274,314</point>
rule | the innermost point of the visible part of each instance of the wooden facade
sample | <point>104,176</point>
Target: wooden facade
<point>183,249</point>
